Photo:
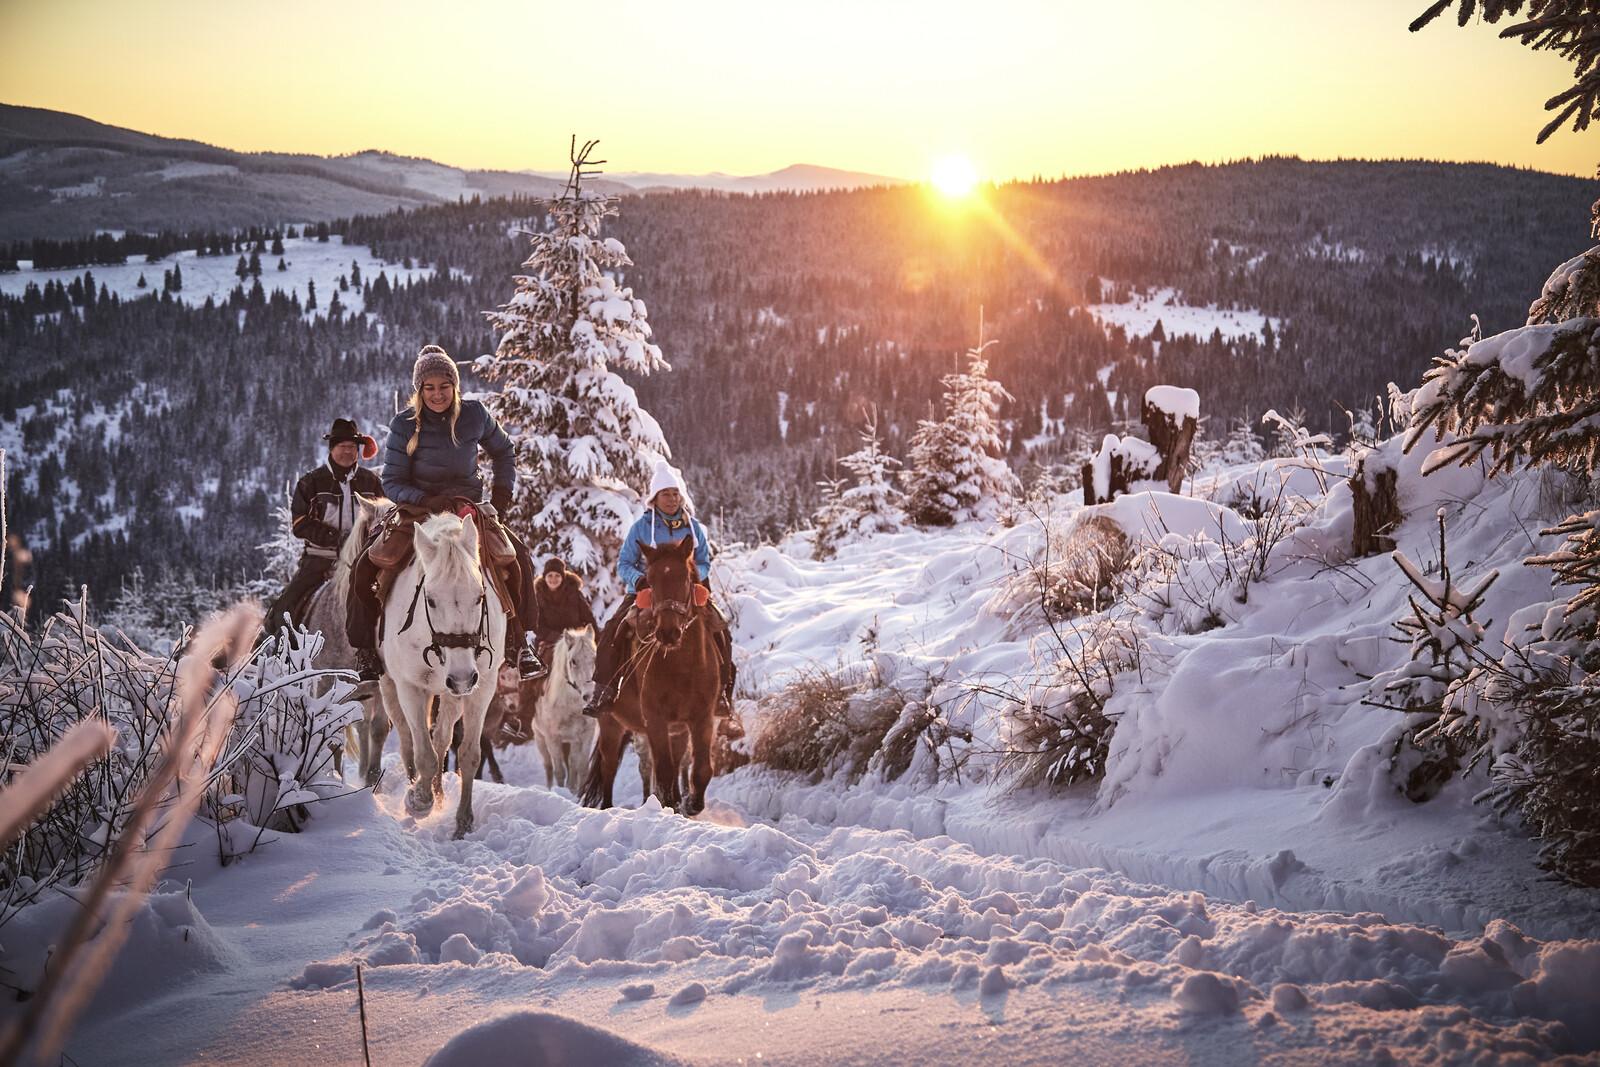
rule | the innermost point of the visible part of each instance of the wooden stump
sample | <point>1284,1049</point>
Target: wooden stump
<point>1117,483</point>
<point>1377,507</point>
<point>1173,440</point>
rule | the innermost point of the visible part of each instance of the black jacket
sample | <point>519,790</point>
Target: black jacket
<point>563,608</point>
<point>323,511</point>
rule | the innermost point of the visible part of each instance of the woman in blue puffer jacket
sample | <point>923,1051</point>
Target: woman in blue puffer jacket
<point>431,461</point>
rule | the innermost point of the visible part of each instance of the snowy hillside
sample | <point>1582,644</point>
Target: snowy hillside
<point>1244,881</point>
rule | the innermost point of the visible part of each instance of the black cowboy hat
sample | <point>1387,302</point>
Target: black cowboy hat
<point>345,430</point>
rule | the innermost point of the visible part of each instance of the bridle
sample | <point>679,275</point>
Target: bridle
<point>477,640</point>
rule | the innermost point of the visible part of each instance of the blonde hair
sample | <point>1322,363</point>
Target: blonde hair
<point>416,417</point>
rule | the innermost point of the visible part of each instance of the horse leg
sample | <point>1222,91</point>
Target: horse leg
<point>490,762</point>
<point>396,714</point>
<point>550,780</point>
<point>641,750</point>
<point>447,714</point>
<point>414,706</point>
<point>663,772</point>
<point>703,735</point>
<point>572,760</point>
<point>472,709</point>
<point>373,737</point>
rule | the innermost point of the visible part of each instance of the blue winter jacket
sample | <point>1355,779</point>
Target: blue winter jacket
<point>651,529</point>
<point>440,467</point>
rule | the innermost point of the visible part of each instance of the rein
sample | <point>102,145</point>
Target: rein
<point>477,640</point>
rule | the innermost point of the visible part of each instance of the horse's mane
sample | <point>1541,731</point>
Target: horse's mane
<point>369,510</point>
<point>455,560</point>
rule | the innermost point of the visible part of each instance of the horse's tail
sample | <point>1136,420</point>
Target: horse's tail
<point>592,795</point>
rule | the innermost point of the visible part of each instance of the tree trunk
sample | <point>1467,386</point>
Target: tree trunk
<point>1172,439</point>
<point>1377,508</point>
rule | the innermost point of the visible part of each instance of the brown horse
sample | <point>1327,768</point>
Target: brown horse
<point>669,692</point>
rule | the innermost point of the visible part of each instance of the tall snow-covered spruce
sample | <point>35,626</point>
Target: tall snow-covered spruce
<point>957,468</point>
<point>585,447</point>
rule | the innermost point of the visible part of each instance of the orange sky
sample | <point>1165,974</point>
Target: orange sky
<point>1021,87</point>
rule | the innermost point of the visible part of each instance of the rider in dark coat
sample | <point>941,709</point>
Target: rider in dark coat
<point>323,509</point>
<point>562,606</point>
<point>431,461</point>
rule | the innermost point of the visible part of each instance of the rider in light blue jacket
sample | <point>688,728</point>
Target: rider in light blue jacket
<point>666,520</point>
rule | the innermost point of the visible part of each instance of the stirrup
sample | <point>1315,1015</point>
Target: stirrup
<point>530,668</point>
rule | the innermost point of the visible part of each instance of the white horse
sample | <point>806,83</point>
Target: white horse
<point>564,733</point>
<point>326,614</point>
<point>444,629</point>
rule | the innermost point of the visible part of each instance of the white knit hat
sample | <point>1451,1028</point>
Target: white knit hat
<point>666,476</point>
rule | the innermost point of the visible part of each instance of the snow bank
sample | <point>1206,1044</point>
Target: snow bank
<point>543,1039</point>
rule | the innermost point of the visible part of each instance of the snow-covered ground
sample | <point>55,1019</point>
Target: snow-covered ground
<point>1138,317</point>
<point>1244,883</point>
<point>306,261</point>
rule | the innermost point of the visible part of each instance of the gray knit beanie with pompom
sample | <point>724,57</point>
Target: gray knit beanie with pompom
<point>432,362</point>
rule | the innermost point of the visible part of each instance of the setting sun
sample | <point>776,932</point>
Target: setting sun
<point>954,176</point>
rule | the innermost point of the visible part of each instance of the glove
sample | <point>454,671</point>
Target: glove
<point>500,500</point>
<point>436,504</point>
<point>320,534</point>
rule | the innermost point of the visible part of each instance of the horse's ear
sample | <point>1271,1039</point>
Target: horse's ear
<point>469,536</point>
<point>651,553</point>
<point>685,547</point>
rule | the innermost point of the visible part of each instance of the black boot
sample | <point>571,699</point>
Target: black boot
<point>603,696</point>
<point>369,665</point>
<point>521,655</point>
<point>529,666</point>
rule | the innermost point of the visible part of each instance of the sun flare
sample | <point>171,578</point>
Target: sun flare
<point>954,176</point>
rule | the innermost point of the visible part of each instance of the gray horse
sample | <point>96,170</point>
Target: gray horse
<point>326,613</point>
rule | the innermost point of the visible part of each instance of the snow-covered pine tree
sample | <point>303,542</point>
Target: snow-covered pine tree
<point>585,447</point>
<point>872,504</point>
<point>828,520</point>
<point>957,470</point>
<point>1531,395</point>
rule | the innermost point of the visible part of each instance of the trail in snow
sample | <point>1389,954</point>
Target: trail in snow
<point>713,941</point>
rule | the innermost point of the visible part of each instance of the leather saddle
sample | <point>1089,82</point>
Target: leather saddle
<point>391,548</point>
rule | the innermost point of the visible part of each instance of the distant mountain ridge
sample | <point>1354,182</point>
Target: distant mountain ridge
<point>64,175</point>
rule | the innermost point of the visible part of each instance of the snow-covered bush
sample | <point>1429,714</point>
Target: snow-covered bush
<point>1077,570</point>
<point>1444,643</point>
<point>1119,462</point>
<point>1193,580</point>
<point>827,722</point>
<point>957,469</point>
<point>292,716</point>
<point>585,447</point>
<point>68,672</point>
<point>1058,731</point>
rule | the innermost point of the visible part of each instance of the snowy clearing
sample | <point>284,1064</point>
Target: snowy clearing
<point>213,278</point>
<point>1138,317</point>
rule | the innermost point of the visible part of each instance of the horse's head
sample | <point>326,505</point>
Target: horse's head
<point>455,601</point>
<point>577,647</point>
<point>670,571</point>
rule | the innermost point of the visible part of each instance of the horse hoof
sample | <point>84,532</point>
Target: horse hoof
<point>463,828</point>
<point>418,804</point>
